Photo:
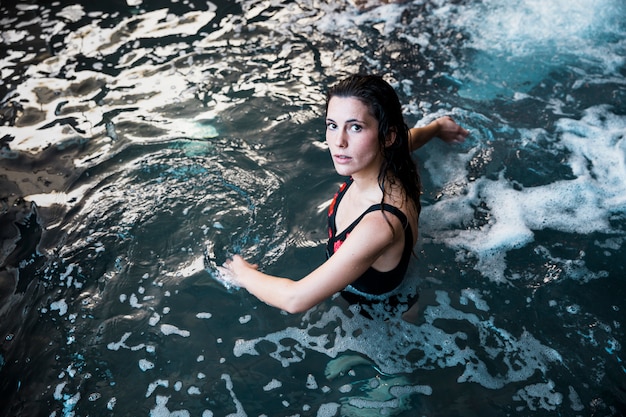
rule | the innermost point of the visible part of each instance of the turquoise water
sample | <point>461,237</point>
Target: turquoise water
<point>144,142</point>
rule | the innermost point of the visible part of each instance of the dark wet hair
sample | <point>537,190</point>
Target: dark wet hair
<point>384,105</point>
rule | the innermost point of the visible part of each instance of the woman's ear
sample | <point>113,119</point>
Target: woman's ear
<point>391,137</point>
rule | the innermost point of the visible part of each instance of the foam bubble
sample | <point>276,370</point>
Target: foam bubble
<point>311,383</point>
<point>153,386</point>
<point>239,411</point>
<point>145,365</point>
<point>121,343</point>
<point>169,329</point>
<point>539,396</point>
<point>58,391</point>
<point>134,301</point>
<point>72,13</point>
<point>273,384</point>
<point>60,306</point>
<point>345,388</point>
<point>154,319</point>
<point>161,410</point>
<point>328,410</point>
<point>111,403</point>
<point>404,390</point>
<point>473,295</point>
<point>574,398</point>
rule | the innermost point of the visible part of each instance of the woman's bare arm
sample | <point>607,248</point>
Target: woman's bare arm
<point>359,251</point>
<point>444,128</point>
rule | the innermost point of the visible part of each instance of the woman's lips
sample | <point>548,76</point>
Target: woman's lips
<point>341,159</point>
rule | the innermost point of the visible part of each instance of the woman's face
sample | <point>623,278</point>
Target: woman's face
<point>352,137</point>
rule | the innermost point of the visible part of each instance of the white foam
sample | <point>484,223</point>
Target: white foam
<point>204,315</point>
<point>239,410</point>
<point>385,344</point>
<point>345,388</point>
<point>169,329</point>
<point>537,37</point>
<point>328,410</point>
<point>575,401</point>
<point>526,26</point>
<point>145,365</point>
<point>94,396</point>
<point>539,396</point>
<point>134,301</point>
<point>72,13</point>
<point>273,384</point>
<point>582,205</point>
<point>12,36</point>
<point>161,410</point>
<point>399,391</point>
<point>111,403</point>
<point>121,343</point>
<point>58,391</point>
<point>154,319</point>
<point>311,383</point>
<point>60,306</point>
<point>153,386</point>
<point>473,295</point>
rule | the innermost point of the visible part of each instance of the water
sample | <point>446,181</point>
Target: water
<point>142,143</point>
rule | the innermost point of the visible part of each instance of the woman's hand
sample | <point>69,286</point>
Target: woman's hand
<point>233,272</point>
<point>443,128</point>
<point>450,132</point>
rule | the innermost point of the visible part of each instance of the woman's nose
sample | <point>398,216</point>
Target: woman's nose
<point>341,139</point>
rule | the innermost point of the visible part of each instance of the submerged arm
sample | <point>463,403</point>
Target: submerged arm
<point>444,128</point>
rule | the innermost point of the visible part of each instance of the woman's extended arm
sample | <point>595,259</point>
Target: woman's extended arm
<point>444,128</point>
<point>358,252</point>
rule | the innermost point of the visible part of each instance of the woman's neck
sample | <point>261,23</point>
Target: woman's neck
<point>370,188</point>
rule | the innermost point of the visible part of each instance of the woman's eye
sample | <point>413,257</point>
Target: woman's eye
<point>356,128</point>
<point>331,126</point>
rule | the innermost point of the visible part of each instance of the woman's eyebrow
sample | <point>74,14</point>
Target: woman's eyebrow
<point>353,120</point>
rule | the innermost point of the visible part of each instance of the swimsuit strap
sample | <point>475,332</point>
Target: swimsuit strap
<point>332,209</point>
<point>374,207</point>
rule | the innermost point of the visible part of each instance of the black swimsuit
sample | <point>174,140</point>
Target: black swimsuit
<point>373,282</point>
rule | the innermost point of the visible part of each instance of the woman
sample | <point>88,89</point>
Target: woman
<point>373,217</point>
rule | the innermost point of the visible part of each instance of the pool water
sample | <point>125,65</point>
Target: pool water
<point>142,143</point>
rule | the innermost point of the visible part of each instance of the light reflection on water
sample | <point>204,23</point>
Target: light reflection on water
<point>142,144</point>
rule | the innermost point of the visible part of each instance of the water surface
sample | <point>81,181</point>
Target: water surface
<point>144,142</point>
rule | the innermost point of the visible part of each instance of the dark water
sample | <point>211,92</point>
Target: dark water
<point>141,143</point>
